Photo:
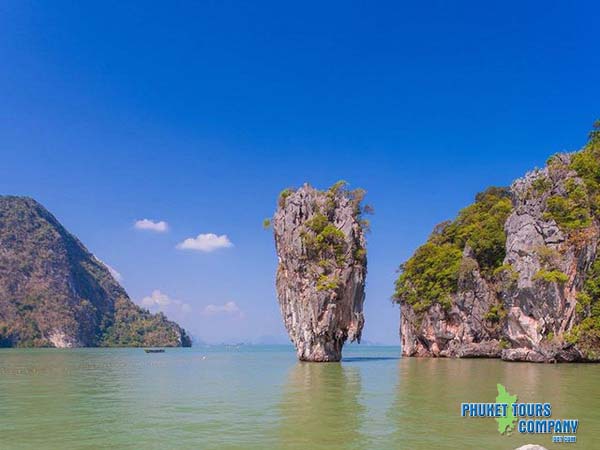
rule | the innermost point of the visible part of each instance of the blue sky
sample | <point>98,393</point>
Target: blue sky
<point>199,113</point>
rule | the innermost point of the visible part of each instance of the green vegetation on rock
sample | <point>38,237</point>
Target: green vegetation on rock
<point>133,326</point>
<point>550,265</point>
<point>327,282</point>
<point>571,212</point>
<point>504,343</point>
<point>283,195</point>
<point>551,276</point>
<point>541,185</point>
<point>325,242</point>
<point>481,227</point>
<point>549,257</point>
<point>496,313</point>
<point>587,165</point>
<point>587,333</point>
<point>506,270</point>
<point>431,274</point>
<point>575,210</point>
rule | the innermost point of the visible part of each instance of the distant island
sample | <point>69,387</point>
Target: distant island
<point>516,275</point>
<point>55,293</point>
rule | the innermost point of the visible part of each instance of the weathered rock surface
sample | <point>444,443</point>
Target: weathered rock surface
<point>54,293</point>
<point>462,331</point>
<point>320,282</point>
<point>534,242</point>
<point>530,308</point>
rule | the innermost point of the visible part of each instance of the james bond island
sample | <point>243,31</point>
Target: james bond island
<point>180,267</point>
<point>516,275</point>
<point>320,242</point>
<point>55,293</point>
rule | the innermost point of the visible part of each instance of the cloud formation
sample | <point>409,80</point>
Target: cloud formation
<point>229,308</point>
<point>159,301</point>
<point>205,243</point>
<point>151,225</point>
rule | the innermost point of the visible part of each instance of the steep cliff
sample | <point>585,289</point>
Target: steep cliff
<point>319,237</point>
<point>54,293</point>
<point>516,274</point>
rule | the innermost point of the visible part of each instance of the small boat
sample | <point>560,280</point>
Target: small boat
<point>154,350</point>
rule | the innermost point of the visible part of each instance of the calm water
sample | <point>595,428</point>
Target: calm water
<point>261,397</point>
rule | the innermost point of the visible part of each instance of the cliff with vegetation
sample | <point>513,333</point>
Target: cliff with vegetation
<point>54,293</point>
<point>516,274</point>
<point>320,242</point>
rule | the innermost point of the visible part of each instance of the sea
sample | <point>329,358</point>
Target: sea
<point>262,397</point>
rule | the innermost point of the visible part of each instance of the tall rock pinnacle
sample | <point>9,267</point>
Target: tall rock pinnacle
<point>319,236</point>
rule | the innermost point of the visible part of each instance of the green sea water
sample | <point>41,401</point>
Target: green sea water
<point>260,397</point>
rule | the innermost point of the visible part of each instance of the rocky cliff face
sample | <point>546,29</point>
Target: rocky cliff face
<point>319,237</point>
<point>518,280</point>
<point>54,293</point>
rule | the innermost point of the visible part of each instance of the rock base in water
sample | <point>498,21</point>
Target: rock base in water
<point>327,350</point>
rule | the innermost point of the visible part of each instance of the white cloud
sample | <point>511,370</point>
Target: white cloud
<point>159,301</point>
<point>151,225</point>
<point>205,243</point>
<point>229,308</point>
<point>115,274</point>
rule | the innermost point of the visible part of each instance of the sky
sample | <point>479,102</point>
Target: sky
<point>161,133</point>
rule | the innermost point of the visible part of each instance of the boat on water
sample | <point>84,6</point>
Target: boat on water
<point>154,350</point>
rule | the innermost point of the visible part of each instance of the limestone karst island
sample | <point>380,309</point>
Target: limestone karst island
<point>321,248</point>
<point>299,226</point>
<point>516,275</point>
<point>55,293</point>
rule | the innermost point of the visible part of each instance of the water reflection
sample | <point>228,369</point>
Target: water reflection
<point>352,359</point>
<point>320,407</point>
<point>426,410</point>
<point>263,399</point>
